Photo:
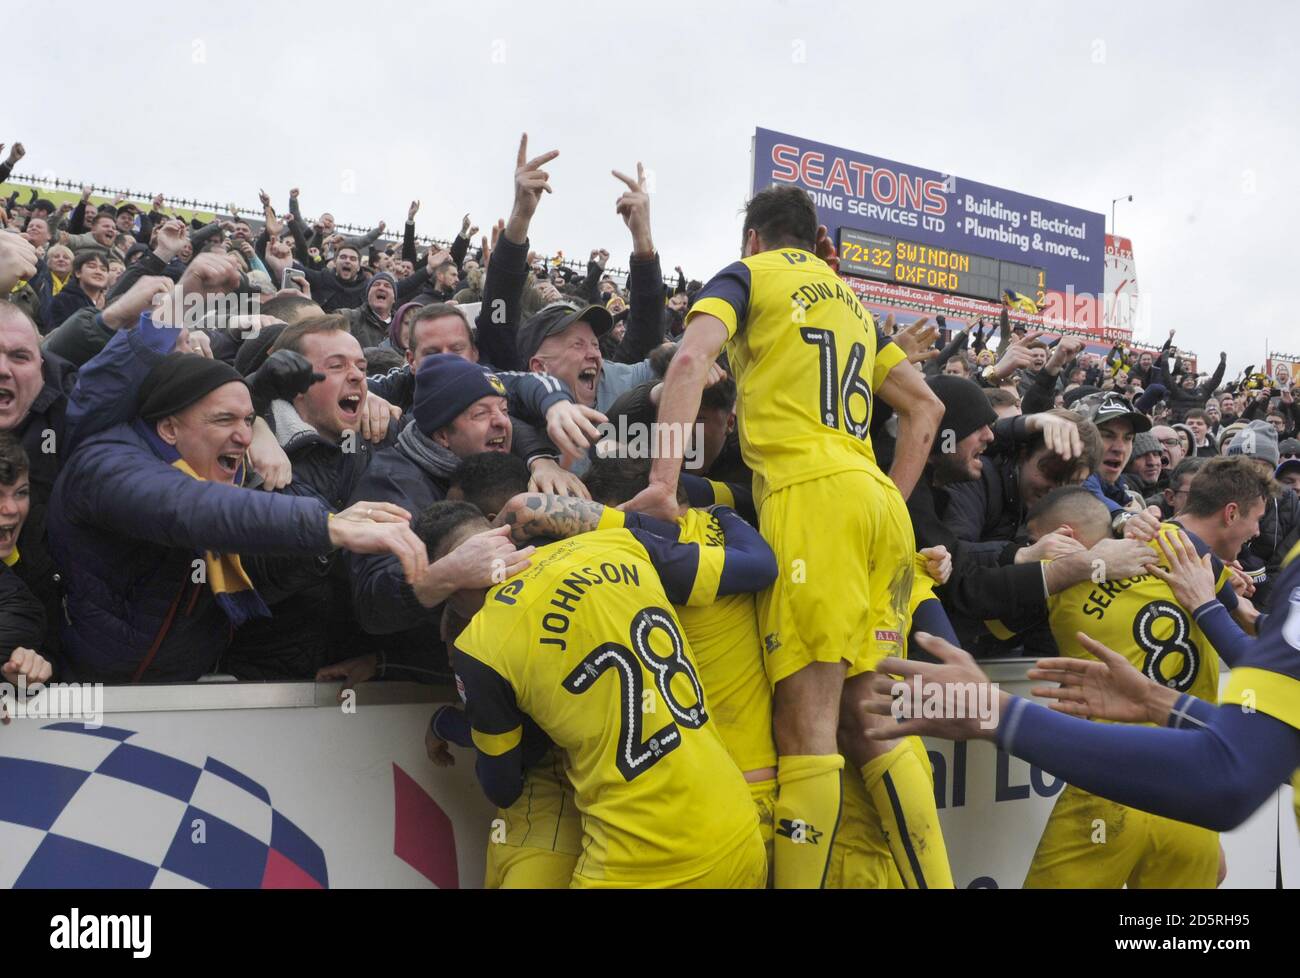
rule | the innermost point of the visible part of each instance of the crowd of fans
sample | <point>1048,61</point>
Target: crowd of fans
<point>215,435</point>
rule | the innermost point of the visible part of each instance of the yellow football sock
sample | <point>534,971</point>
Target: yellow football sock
<point>902,789</point>
<point>807,814</point>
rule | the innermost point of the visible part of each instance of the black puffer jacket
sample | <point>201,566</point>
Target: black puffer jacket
<point>22,616</point>
<point>1279,531</point>
<point>333,294</point>
<point>986,514</point>
<point>1181,401</point>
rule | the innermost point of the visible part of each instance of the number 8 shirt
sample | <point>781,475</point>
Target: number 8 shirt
<point>585,642</point>
<point>1140,619</point>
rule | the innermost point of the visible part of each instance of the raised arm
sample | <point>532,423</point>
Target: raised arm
<point>503,284</point>
<point>595,269</point>
<point>1214,768</point>
<point>408,235</point>
<point>647,316</point>
<point>364,241</point>
<point>1207,388</point>
<point>460,246</point>
<point>955,345</point>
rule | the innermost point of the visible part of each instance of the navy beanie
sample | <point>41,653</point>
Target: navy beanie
<point>445,385</point>
<point>382,277</point>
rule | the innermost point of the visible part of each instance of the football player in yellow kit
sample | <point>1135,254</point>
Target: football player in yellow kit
<point>541,826</point>
<point>1090,841</point>
<point>1201,764</point>
<point>537,840</point>
<point>862,857</point>
<point>724,637</point>
<point>585,646</point>
<point>809,361</point>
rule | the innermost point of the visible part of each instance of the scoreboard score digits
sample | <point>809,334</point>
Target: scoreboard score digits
<point>868,255</point>
<point>939,269</point>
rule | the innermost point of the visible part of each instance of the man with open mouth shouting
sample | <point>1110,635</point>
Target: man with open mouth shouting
<point>148,519</point>
<point>458,410</point>
<point>329,432</point>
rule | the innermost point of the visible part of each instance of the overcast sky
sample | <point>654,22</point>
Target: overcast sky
<point>1190,107</point>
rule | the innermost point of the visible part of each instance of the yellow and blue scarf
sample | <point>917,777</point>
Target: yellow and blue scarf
<point>230,584</point>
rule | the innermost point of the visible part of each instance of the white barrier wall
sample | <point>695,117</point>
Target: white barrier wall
<point>270,785</point>
<point>265,795</point>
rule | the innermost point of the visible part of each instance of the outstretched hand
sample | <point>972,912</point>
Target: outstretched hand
<point>1107,688</point>
<point>905,700</point>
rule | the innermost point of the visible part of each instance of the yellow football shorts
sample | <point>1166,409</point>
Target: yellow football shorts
<point>764,795</point>
<point>743,868</point>
<point>845,557</point>
<point>535,843</point>
<point>1093,843</point>
<point>528,868</point>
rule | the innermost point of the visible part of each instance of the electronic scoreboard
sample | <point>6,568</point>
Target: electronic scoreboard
<point>888,259</point>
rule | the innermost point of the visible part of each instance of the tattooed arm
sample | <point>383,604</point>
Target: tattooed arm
<point>536,514</point>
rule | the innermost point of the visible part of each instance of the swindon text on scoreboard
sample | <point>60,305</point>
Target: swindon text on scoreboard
<point>890,259</point>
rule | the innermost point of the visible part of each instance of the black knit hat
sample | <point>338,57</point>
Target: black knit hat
<point>179,380</point>
<point>965,408</point>
<point>1078,393</point>
<point>445,385</point>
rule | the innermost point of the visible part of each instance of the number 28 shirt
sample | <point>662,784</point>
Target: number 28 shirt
<point>586,644</point>
<point>807,358</point>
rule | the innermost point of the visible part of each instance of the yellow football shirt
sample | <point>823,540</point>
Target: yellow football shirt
<point>807,358</point>
<point>724,637</point>
<point>586,643</point>
<point>1140,618</point>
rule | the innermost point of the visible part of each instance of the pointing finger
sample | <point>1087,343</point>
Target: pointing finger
<point>542,160</point>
